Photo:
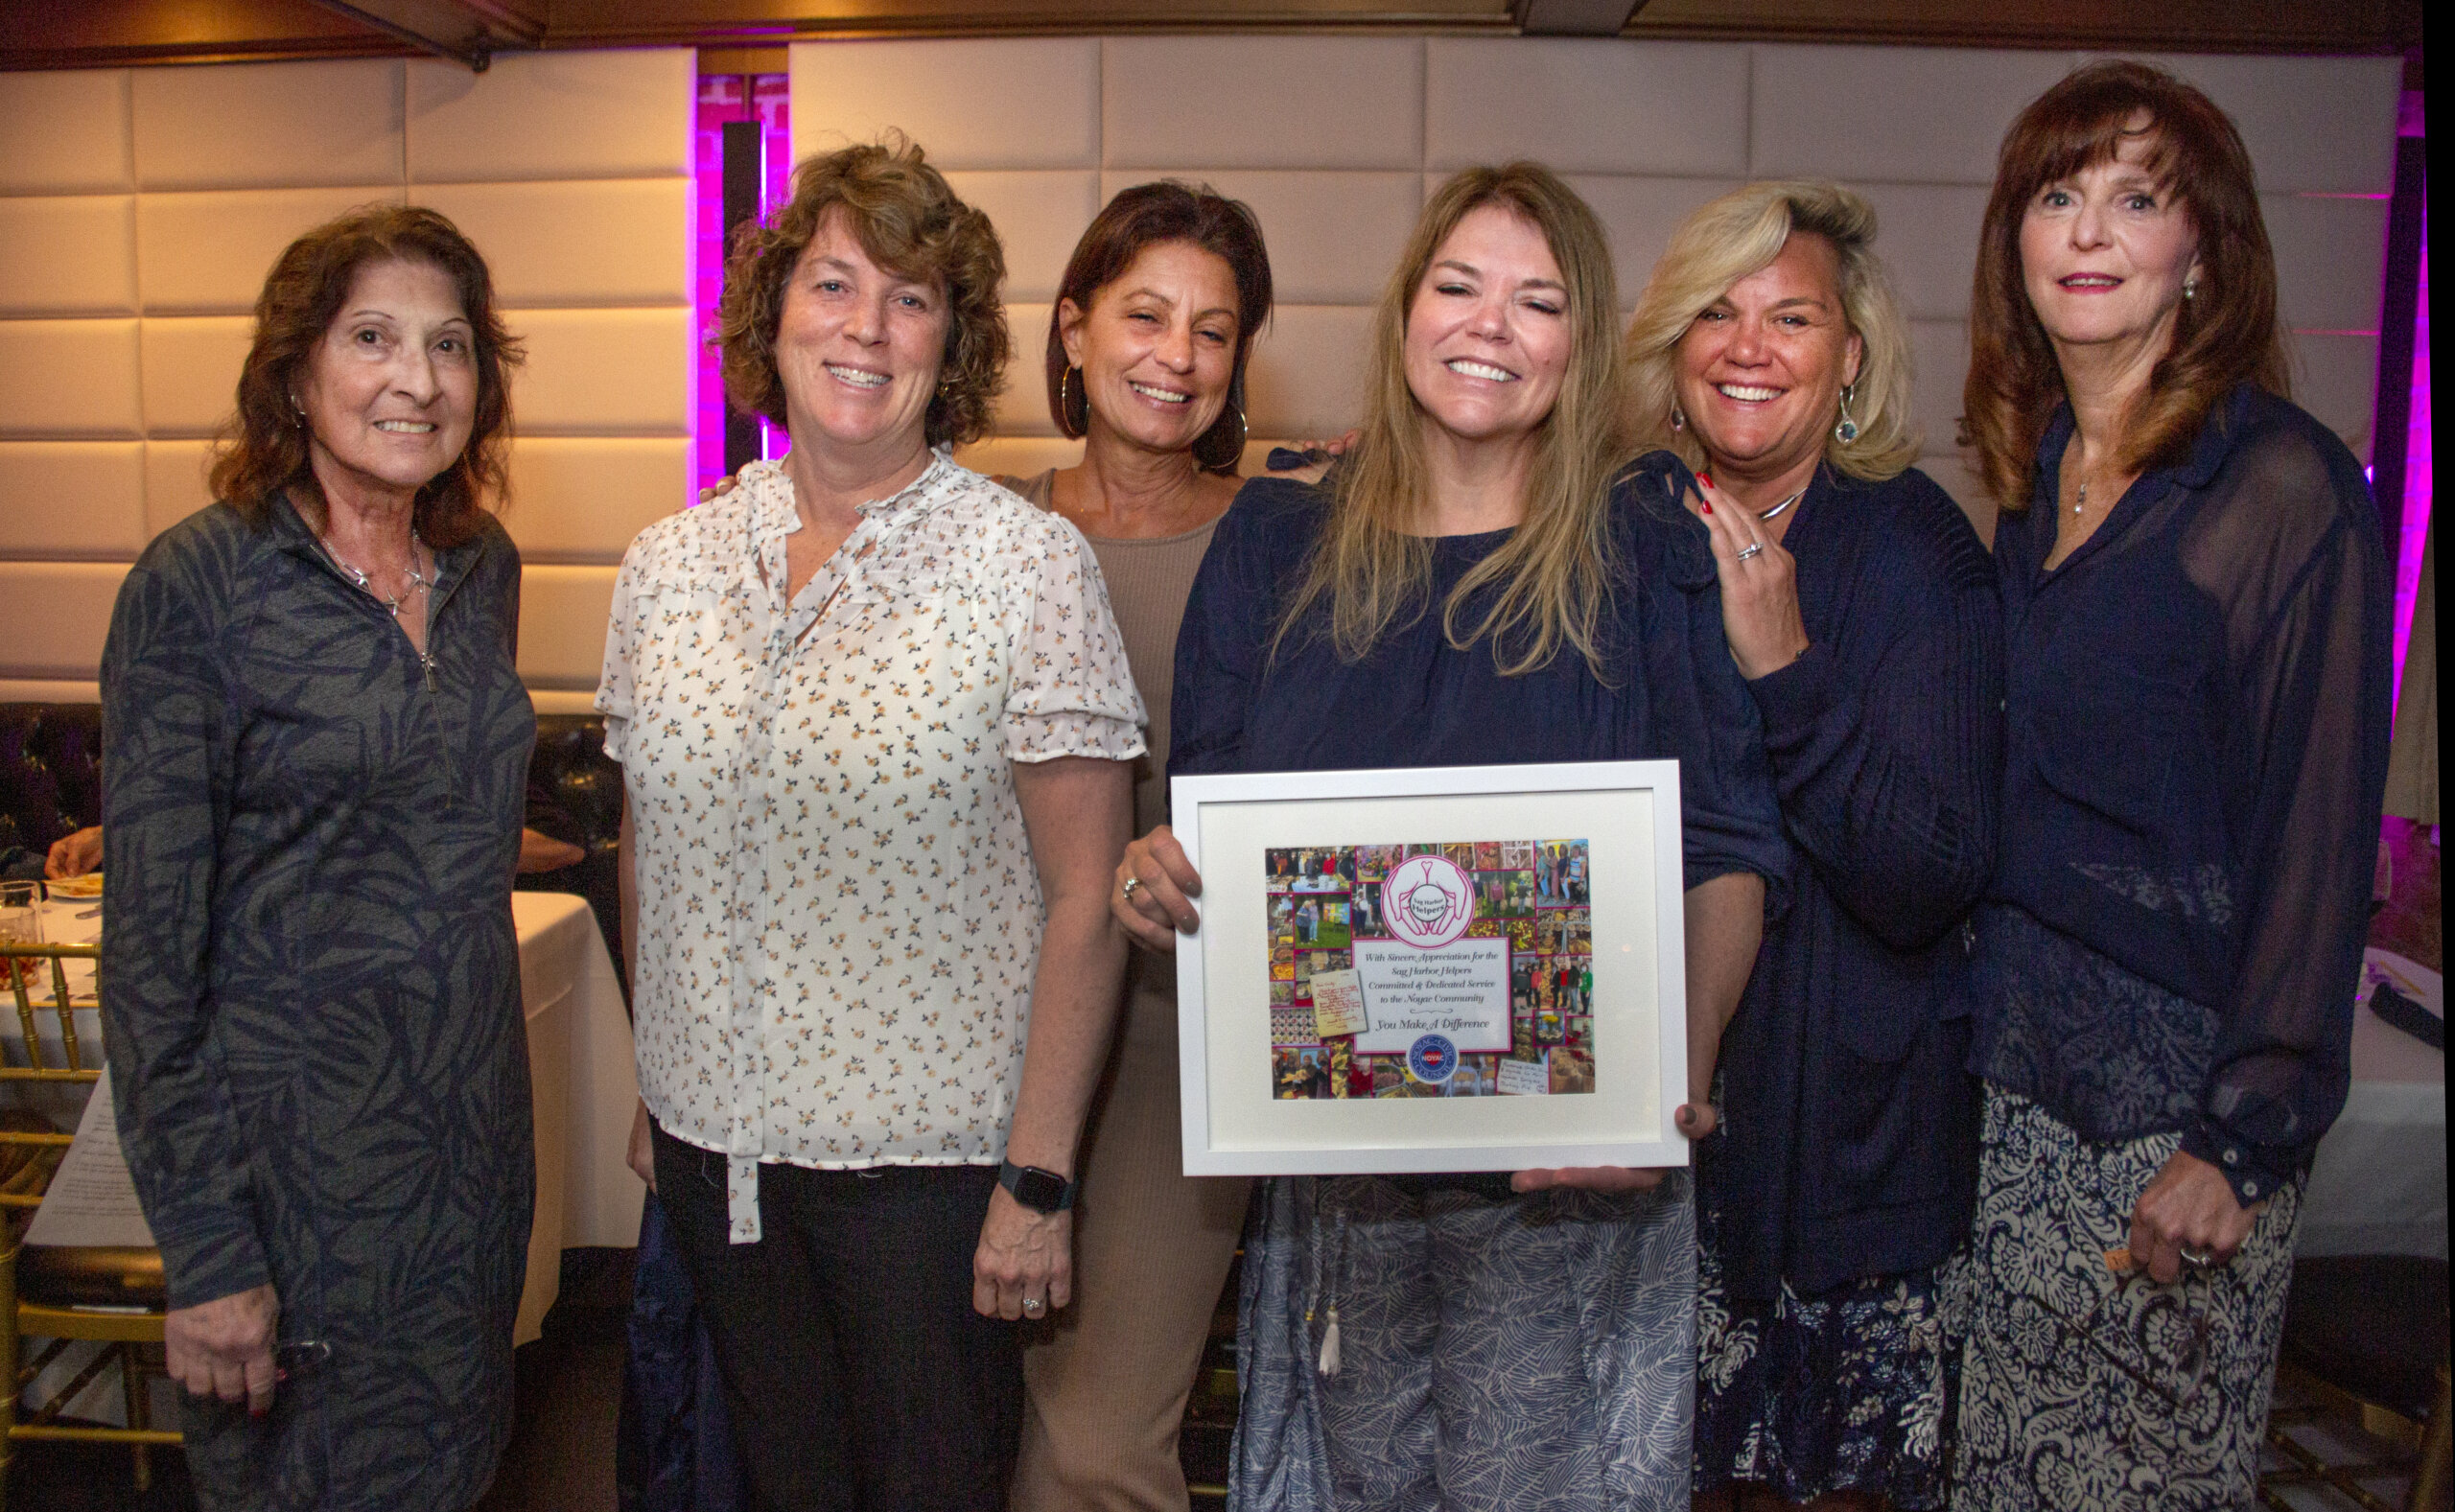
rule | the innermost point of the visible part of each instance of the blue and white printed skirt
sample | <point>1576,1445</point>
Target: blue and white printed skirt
<point>1847,1391</point>
<point>1533,1353</point>
<point>2083,1389</point>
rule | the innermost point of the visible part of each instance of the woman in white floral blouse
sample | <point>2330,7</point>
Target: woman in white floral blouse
<point>875,725</point>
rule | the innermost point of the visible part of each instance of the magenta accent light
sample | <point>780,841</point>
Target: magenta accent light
<point>766,98</point>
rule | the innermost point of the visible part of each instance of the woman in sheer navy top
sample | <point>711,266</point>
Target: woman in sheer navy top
<point>1502,1342</point>
<point>2196,612</point>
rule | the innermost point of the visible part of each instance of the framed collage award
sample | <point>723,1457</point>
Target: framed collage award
<point>1458,969</point>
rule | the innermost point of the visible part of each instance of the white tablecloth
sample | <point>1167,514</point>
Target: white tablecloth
<point>2379,1184</point>
<point>580,1067</point>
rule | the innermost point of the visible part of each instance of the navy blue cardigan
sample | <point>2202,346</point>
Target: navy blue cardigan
<point>1849,1145</point>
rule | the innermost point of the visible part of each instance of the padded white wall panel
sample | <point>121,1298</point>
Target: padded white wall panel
<point>1675,108</point>
<point>1261,101</point>
<point>174,482</point>
<point>65,500</point>
<point>1638,214</point>
<point>192,372</point>
<point>69,379</point>
<point>208,252</point>
<point>67,255</point>
<point>1926,115</point>
<point>603,372</point>
<point>2313,125</point>
<point>264,125</point>
<point>1332,236</point>
<point>581,501</point>
<point>2336,379</point>
<point>1023,403</point>
<point>53,617</point>
<point>1025,104</point>
<point>2330,259</point>
<point>65,133</point>
<point>584,242</point>
<point>1038,215</point>
<point>1307,378</point>
<point>553,115</point>
<point>1939,359</point>
<point>1927,235</point>
<point>562,625</point>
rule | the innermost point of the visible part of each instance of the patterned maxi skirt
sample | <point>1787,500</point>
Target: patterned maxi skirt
<point>1849,1389</point>
<point>2082,1388</point>
<point>1532,1353</point>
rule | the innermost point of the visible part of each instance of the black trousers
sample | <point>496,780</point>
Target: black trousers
<point>859,1376</point>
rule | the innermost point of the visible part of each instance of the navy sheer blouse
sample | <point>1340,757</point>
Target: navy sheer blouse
<point>1849,1141</point>
<point>2196,750</point>
<point>1242,705</point>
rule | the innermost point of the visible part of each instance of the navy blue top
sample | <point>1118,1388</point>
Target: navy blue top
<point>1419,701</point>
<point>1849,1142</point>
<point>2196,746</point>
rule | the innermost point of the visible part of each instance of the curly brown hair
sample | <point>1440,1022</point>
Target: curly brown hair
<point>2224,334</point>
<point>263,450</point>
<point>910,223</point>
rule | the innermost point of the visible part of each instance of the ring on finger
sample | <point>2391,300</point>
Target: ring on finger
<point>1034,1306</point>
<point>1752,549</point>
<point>2196,1259</point>
<point>1133,885</point>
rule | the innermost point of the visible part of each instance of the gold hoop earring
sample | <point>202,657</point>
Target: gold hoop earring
<point>1065,420</point>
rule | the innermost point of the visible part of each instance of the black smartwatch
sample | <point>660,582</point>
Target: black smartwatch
<point>1040,1191</point>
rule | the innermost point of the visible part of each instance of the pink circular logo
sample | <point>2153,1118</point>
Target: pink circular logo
<point>1428,901</point>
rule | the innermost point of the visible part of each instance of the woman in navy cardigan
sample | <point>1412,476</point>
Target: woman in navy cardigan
<point>1861,609</point>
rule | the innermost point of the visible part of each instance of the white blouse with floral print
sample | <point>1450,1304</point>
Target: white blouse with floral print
<point>838,914</point>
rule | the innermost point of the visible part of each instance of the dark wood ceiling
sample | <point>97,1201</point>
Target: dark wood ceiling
<point>69,33</point>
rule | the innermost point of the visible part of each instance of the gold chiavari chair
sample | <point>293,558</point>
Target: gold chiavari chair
<point>113,1297</point>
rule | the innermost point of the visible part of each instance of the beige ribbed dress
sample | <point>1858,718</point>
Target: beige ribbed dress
<point>1108,1381</point>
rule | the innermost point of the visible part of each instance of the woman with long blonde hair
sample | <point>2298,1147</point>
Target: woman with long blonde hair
<point>1770,354</point>
<point>1474,585</point>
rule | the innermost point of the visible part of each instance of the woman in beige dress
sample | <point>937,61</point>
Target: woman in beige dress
<point>1146,362</point>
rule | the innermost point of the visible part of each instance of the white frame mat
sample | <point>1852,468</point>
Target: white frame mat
<point>1628,811</point>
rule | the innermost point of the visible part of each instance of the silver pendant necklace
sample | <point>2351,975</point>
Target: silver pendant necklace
<point>418,582</point>
<point>2082,502</point>
<point>1784,504</point>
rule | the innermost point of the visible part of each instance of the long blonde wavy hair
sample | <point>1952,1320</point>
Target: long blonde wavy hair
<point>1725,239</point>
<point>1372,566</point>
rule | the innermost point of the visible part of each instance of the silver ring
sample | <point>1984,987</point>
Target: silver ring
<point>1033,1304</point>
<point>2196,1259</point>
<point>1127,891</point>
<point>1751,550</point>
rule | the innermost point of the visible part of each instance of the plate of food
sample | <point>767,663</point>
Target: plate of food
<point>90,885</point>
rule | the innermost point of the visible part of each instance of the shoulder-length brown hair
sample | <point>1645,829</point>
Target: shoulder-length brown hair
<point>264,446</point>
<point>1136,220</point>
<point>2226,333</point>
<point>1550,582</point>
<point>910,223</point>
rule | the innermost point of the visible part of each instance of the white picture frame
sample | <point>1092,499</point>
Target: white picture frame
<point>1235,1123</point>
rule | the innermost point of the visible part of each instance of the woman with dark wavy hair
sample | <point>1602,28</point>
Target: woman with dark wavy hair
<point>875,729</point>
<point>312,800</point>
<point>2196,616</point>
<point>1155,319</point>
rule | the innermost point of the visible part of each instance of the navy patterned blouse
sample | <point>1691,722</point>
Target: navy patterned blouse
<point>310,992</point>
<point>2196,740</point>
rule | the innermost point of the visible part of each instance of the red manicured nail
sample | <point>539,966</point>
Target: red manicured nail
<point>1706,479</point>
<point>1706,505</point>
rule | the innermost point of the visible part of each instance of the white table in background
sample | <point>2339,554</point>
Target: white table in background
<point>2379,1186</point>
<point>580,1071</point>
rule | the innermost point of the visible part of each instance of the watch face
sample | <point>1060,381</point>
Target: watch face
<point>1039,1189</point>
